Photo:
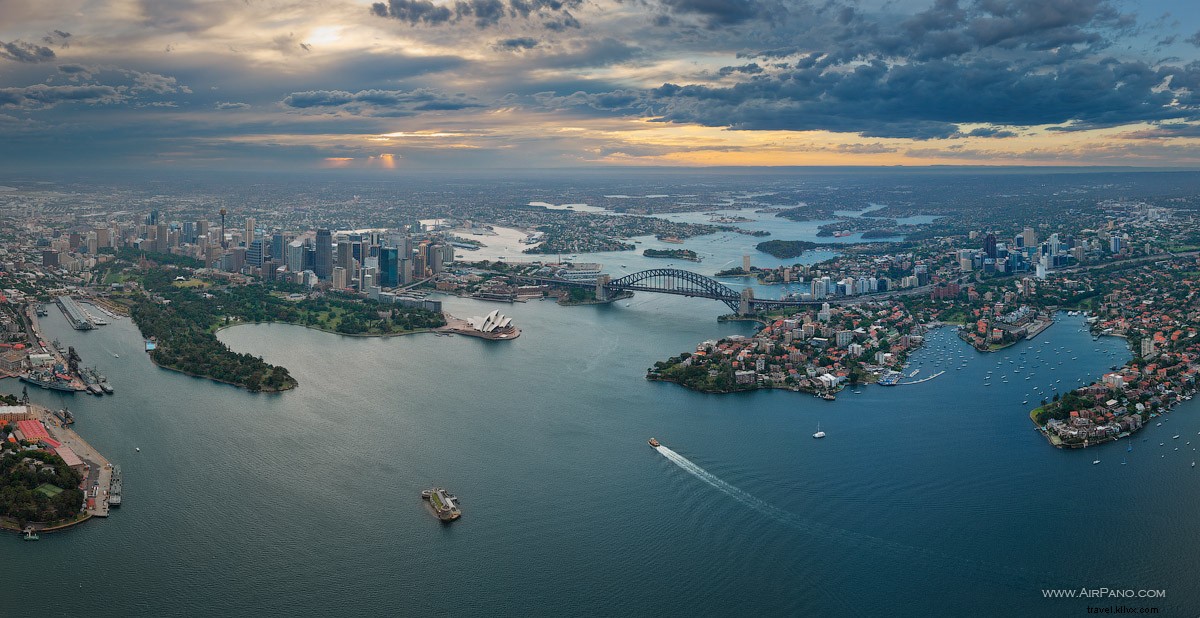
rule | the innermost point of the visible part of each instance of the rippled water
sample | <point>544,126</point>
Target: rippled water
<point>937,498</point>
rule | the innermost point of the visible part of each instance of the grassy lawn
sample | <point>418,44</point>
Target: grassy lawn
<point>190,283</point>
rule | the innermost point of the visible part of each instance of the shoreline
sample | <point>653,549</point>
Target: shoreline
<point>85,451</point>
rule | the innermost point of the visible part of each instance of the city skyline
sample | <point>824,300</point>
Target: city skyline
<point>424,84</point>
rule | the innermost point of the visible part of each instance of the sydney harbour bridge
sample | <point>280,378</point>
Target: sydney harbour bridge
<point>681,283</point>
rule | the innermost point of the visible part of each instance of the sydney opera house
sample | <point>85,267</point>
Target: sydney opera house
<point>492,323</point>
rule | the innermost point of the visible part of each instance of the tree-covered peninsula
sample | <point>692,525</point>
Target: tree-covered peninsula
<point>183,317</point>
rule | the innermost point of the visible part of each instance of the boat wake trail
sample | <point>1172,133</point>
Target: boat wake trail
<point>1002,574</point>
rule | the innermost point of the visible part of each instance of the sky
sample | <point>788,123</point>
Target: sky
<point>531,84</point>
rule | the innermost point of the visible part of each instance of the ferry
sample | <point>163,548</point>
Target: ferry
<point>444,503</point>
<point>653,442</point>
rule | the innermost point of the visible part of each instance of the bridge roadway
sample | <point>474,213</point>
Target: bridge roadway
<point>690,284</point>
<point>693,285</point>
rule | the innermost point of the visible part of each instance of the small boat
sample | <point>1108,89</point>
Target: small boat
<point>137,449</point>
<point>115,355</point>
<point>1095,461</point>
<point>1175,437</point>
<point>653,442</point>
<point>1123,462</point>
<point>819,434</point>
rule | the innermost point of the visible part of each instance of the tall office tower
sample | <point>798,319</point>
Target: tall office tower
<point>1030,237</point>
<point>202,227</point>
<point>103,237</point>
<point>223,213</point>
<point>295,256</point>
<point>250,225</point>
<point>389,262</point>
<point>404,270</point>
<point>746,263</point>
<point>339,278</point>
<point>1055,245</point>
<point>162,238</point>
<point>324,256</point>
<point>435,259</point>
<point>254,253</point>
<point>189,231</point>
<point>278,242</point>
<point>153,218</point>
<point>345,257</point>
<point>989,246</point>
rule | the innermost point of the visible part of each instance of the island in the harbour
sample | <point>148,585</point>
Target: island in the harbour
<point>784,249</point>
<point>673,254</point>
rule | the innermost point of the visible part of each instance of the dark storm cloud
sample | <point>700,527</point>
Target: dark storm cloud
<point>482,13</point>
<point>379,102</point>
<point>42,96</point>
<point>517,43</point>
<point>20,51</point>
<point>716,13</point>
<point>990,132</point>
<point>997,62</point>
<point>748,69</point>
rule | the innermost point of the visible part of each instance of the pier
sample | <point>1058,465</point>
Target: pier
<point>75,314</point>
<point>925,379</point>
<point>97,471</point>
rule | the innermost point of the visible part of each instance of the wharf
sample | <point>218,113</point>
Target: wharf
<point>99,470</point>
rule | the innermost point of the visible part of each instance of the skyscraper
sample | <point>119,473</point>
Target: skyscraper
<point>254,254</point>
<point>295,256</point>
<point>250,225</point>
<point>345,257</point>
<point>324,257</point>
<point>389,263</point>
<point>277,247</point>
<point>989,246</point>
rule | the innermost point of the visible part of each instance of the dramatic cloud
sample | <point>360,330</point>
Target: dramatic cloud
<point>517,43</point>
<point>378,102</point>
<point>42,96</point>
<point>716,13</point>
<point>483,13</point>
<point>631,81</point>
<point>21,51</point>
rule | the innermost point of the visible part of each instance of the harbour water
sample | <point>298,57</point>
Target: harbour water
<point>937,498</point>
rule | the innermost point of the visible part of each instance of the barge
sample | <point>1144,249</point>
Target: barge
<point>444,503</point>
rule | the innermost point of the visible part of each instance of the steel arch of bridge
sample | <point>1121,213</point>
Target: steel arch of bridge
<point>679,282</point>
